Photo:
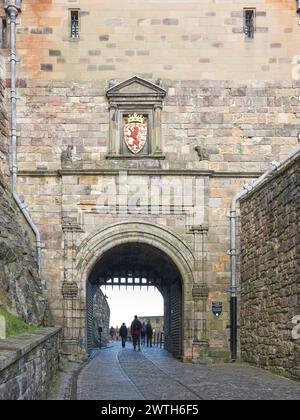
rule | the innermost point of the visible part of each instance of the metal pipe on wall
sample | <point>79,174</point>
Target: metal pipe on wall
<point>13,8</point>
<point>233,250</point>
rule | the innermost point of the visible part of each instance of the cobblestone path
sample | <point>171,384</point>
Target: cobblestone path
<point>116,374</point>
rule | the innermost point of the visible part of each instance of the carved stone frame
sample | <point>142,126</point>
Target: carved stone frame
<point>143,97</point>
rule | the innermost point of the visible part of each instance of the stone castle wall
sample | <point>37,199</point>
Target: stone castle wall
<point>242,126</point>
<point>269,272</point>
<point>236,99</point>
<point>21,290</point>
<point>173,39</point>
<point>28,363</point>
<point>20,286</point>
<point>4,138</point>
<point>101,312</point>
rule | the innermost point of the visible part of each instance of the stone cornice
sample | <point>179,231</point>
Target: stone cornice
<point>155,172</point>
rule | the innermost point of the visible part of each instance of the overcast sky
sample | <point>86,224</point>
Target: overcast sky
<point>125,304</point>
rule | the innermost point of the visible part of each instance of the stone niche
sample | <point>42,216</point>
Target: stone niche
<point>135,96</point>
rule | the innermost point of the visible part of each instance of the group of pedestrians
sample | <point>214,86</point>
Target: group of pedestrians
<point>114,333</point>
<point>141,334</point>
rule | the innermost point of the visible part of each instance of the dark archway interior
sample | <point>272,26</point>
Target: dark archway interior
<point>141,265</point>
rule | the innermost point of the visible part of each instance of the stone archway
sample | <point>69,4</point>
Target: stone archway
<point>169,245</point>
<point>140,265</point>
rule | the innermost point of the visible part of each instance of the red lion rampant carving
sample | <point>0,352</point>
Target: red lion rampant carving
<point>134,136</point>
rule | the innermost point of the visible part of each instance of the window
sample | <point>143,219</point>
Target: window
<point>249,22</point>
<point>4,42</point>
<point>74,24</point>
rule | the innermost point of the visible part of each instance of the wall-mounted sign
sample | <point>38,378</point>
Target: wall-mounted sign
<point>217,309</point>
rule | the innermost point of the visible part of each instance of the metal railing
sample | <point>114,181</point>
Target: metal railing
<point>158,339</point>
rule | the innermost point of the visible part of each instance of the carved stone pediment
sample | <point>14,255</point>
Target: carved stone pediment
<point>136,89</point>
<point>143,99</point>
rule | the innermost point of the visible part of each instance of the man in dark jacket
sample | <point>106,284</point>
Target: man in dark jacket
<point>136,328</point>
<point>123,334</point>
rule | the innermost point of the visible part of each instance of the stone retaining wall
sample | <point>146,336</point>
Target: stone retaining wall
<point>21,290</point>
<point>28,363</point>
<point>269,271</point>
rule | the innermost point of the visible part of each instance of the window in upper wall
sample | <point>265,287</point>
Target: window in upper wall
<point>74,18</point>
<point>4,38</point>
<point>249,22</point>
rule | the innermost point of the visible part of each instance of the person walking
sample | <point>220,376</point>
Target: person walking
<point>123,334</point>
<point>136,327</point>
<point>143,334</point>
<point>112,333</point>
<point>149,334</point>
<point>117,333</point>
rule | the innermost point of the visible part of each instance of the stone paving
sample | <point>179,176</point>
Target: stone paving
<point>116,374</point>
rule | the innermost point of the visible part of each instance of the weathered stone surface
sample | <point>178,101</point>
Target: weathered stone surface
<point>212,101</point>
<point>170,30</point>
<point>4,140</point>
<point>28,363</point>
<point>21,290</point>
<point>101,318</point>
<point>270,273</point>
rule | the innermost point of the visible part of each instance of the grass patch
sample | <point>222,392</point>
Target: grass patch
<point>14,325</point>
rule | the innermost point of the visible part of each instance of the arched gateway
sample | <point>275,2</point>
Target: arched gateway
<point>140,264</point>
<point>149,254</point>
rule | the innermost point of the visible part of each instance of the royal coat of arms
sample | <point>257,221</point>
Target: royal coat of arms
<point>135,132</point>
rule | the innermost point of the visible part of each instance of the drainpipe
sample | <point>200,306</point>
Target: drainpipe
<point>13,7</point>
<point>233,250</point>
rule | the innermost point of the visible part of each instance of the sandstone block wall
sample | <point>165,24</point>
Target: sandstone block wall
<point>270,296</point>
<point>20,286</point>
<point>101,318</point>
<point>177,39</point>
<point>28,363</point>
<point>243,125</point>
<point>238,99</point>
<point>4,138</point>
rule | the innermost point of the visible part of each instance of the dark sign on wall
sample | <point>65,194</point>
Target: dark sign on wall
<point>217,309</point>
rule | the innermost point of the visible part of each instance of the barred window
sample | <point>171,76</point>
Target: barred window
<point>74,24</point>
<point>249,22</point>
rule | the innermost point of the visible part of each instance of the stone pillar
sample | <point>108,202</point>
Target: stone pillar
<point>113,129</point>
<point>200,293</point>
<point>157,137</point>
<point>72,338</point>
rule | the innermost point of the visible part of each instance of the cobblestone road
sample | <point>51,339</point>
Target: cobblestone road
<point>116,374</point>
